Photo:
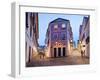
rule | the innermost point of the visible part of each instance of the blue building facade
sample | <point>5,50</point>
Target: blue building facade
<point>58,38</point>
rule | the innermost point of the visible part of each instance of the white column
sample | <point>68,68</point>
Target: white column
<point>61,51</point>
<point>57,52</point>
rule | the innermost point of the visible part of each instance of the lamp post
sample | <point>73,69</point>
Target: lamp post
<point>56,42</point>
<point>80,45</point>
<point>71,45</point>
<point>71,40</point>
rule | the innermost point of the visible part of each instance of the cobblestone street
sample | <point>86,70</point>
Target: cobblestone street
<point>73,59</point>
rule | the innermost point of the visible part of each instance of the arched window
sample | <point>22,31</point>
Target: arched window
<point>87,40</point>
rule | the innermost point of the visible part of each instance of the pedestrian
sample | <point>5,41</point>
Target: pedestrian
<point>81,53</point>
<point>83,49</point>
<point>84,53</point>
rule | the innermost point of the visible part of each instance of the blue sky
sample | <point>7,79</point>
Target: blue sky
<point>46,18</point>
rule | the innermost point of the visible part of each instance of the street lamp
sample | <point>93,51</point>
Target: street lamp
<point>71,40</point>
<point>80,42</point>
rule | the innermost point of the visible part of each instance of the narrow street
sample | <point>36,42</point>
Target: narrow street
<point>77,59</point>
<point>73,59</point>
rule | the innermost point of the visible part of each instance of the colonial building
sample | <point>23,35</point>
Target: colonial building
<point>59,38</point>
<point>31,35</point>
<point>84,35</point>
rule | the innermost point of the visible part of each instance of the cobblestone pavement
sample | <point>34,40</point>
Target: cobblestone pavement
<point>73,59</point>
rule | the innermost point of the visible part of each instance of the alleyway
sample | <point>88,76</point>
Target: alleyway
<point>77,59</point>
<point>73,59</point>
<point>75,52</point>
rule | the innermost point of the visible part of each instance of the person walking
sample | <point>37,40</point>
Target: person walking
<point>83,50</point>
<point>82,53</point>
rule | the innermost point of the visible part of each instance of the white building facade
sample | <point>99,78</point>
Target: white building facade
<point>31,36</point>
<point>84,36</point>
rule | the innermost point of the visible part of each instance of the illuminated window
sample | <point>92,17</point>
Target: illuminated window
<point>55,26</point>
<point>63,26</point>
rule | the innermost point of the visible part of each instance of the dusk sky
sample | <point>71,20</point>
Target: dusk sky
<point>45,19</point>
